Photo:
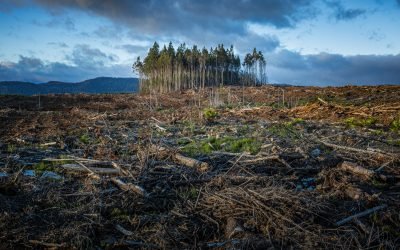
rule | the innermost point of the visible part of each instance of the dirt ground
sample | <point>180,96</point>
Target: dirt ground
<point>228,168</point>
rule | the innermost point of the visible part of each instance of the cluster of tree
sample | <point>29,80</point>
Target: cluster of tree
<point>168,70</point>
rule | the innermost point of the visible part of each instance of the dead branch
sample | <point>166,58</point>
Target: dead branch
<point>123,230</point>
<point>359,215</point>
<point>129,187</point>
<point>79,168</point>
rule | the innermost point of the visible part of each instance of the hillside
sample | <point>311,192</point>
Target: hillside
<point>100,85</point>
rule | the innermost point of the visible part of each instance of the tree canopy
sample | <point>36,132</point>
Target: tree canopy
<point>167,69</point>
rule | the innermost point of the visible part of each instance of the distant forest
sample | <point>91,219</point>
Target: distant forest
<point>168,69</point>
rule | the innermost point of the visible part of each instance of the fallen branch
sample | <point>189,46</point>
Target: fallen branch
<point>45,244</point>
<point>190,162</point>
<point>129,187</point>
<point>358,170</point>
<point>359,215</point>
<point>92,174</point>
<point>123,230</point>
<point>181,159</point>
<point>355,169</point>
<point>263,159</point>
<point>79,168</point>
<point>357,150</point>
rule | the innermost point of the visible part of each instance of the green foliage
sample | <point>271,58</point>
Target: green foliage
<point>285,130</point>
<point>210,114</point>
<point>44,166</point>
<point>227,144</point>
<point>354,122</point>
<point>85,139</point>
<point>294,122</point>
<point>11,148</point>
<point>395,125</point>
<point>119,214</point>
<point>190,193</point>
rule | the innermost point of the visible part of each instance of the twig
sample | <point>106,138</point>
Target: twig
<point>359,215</point>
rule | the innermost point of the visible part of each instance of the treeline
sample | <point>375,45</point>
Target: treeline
<point>168,69</point>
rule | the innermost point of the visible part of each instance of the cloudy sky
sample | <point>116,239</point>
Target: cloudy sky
<point>320,42</point>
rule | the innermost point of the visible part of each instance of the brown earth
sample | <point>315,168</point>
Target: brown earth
<point>280,167</point>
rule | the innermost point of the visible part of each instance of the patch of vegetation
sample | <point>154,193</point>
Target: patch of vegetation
<point>294,122</point>
<point>117,213</point>
<point>353,122</point>
<point>227,144</point>
<point>210,114</point>
<point>190,193</point>
<point>11,148</point>
<point>284,130</point>
<point>44,166</point>
<point>395,125</point>
<point>85,139</point>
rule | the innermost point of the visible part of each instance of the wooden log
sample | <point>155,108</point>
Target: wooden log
<point>79,168</point>
<point>358,170</point>
<point>129,187</point>
<point>190,162</point>
<point>92,174</point>
<point>181,159</point>
<point>355,169</point>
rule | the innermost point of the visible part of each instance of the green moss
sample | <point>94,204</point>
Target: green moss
<point>354,122</point>
<point>228,144</point>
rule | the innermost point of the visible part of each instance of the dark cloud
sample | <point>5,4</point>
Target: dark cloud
<point>84,55</point>
<point>133,49</point>
<point>343,14</point>
<point>333,69</point>
<point>84,62</point>
<point>163,16</point>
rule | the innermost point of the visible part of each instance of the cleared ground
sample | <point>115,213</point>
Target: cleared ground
<point>257,168</point>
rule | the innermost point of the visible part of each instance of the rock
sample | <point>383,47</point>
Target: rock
<point>51,175</point>
<point>29,173</point>
<point>316,152</point>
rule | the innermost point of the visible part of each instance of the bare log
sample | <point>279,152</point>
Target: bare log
<point>355,169</point>
<point>358,170</point>
<point>190,162</point>
<point>181,159</point>
<point>129,187</point>
<point>359,215</point>
<point>92,174</point>
<point>79,168</point>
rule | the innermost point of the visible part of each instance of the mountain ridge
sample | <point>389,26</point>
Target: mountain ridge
<point>99,85</point>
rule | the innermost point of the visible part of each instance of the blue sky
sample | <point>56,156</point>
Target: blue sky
<point>321,42</point>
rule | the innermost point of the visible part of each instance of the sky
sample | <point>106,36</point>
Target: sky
<point>305,42</point>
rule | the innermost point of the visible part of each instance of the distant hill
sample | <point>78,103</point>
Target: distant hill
<point>98,85</point>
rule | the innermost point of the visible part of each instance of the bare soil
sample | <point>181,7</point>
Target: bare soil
<point>229,168</point>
